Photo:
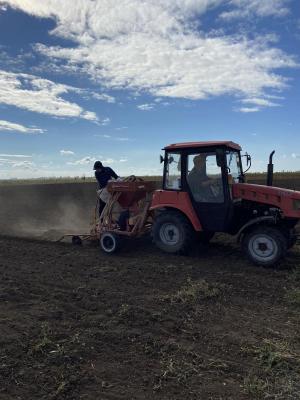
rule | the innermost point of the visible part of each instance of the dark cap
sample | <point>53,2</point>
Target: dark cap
<point>98,164</point>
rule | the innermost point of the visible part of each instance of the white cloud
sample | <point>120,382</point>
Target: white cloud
<point>118,138</point>
<point>104,97</point>
<point>15,155</point>
<point>89,115</point>
<point>66,152</point>
<point>20,164</point>
<point>260,102</point>
<point>161,102</point>
<point>154,46</point>
<point>82,161</point>
<point>108,161</point>
<point>294,155</point>
<point>105,122</point>
<point>248,109</point>
<point>145,107</point>
<point>260,8</point>
<point>123,160</point>
<point>13,127</point>
<point>24,165</point>
<point>103,136</point>
<point>39,95</point>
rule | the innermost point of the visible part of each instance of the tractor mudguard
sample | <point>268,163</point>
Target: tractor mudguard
<point>270,219</point>
<point>178,201</point>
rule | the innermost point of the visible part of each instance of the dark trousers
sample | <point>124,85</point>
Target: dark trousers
<point>122,221</point>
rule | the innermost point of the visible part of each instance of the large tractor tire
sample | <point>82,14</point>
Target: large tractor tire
<point>173,233</point>
<point>265,245</point>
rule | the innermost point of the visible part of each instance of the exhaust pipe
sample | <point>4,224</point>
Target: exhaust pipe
<point>270,170</point>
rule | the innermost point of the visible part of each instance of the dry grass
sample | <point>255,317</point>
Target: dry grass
<point>276,375</point>
<point>194,291</point>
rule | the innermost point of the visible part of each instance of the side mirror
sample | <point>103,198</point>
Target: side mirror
<point>248,159</point>
<point>170,160</point>
<point>161,159</point>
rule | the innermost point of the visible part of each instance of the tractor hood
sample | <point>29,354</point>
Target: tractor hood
<point>287,200</point>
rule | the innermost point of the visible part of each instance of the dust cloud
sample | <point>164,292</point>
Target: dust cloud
<point>47,211</point>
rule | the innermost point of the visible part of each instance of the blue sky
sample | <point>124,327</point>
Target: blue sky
<point>82,80</point>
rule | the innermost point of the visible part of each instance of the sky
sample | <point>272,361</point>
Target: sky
<point>116,81</point>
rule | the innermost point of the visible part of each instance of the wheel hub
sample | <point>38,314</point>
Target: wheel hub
<point>169,234</point>
<point>108,242</point>
<point>263,247</point>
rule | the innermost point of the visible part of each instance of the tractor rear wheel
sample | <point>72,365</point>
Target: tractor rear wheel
<point>265,245</point>
<point>173,233</point>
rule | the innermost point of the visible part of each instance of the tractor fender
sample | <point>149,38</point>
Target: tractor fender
<point>189,214</point>
<point>256,221</point>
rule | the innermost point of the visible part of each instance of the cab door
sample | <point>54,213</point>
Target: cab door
<point>208,188</point>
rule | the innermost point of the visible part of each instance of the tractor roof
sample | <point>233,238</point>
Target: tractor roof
<point>185,145</point>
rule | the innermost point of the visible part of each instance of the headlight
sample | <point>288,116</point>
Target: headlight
<point>296,205</point>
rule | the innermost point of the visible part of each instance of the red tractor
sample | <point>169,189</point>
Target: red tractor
<point>204,192</point>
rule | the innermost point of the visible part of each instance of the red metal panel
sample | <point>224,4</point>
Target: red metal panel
<point>177,200</point>
<point>178,146</point>
<point>130,192</point>
<point>278,197</point>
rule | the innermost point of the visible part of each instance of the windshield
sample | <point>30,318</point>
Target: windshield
<point>234,166</point>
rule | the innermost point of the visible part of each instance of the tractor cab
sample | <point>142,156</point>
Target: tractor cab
<point>205,173</point>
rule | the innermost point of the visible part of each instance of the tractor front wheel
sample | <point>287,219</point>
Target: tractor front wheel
<point>265,245</point>
<point>173,233</point>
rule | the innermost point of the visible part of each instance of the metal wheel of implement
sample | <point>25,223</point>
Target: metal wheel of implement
<point>172,232</point>
<point>76,240</point>
<point>109,242</point>
<point>265,245</point>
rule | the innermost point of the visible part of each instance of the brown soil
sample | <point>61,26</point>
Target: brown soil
<point>78,324</point>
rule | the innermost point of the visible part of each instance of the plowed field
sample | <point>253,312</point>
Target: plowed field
<point>78,324</point>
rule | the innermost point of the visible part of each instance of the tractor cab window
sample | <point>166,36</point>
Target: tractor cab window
<point>173,171</point>
<point>234,166</point>
<point>204,178</point>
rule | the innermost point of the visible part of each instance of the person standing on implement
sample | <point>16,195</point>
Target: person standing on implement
<point>103,175</point>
